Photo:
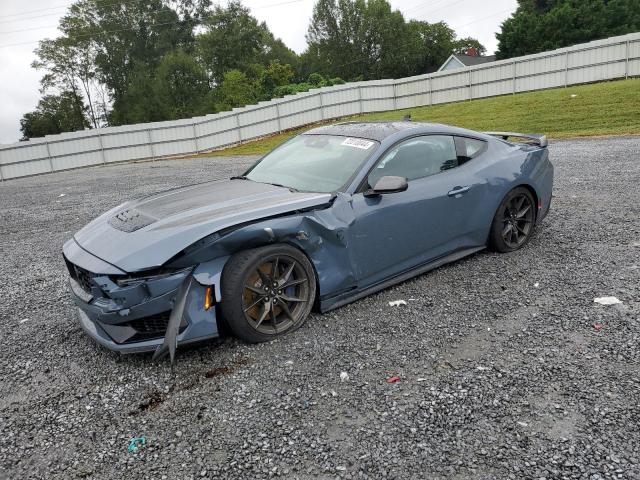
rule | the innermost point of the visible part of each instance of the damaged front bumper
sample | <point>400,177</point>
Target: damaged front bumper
<point>133,315</point>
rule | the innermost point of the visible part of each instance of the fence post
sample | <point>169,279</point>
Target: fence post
<point>430,91</point>
<point>49,155</point>
<point>238,127</point>
<point>278,117</point>
<point>104,160</point>
<point>359,97</point>
<point>195,136</point>
<point>153,155</point>
<point>321,106</point>
<point>1,176</point>
<point>626,61</point>
<point>470,91</point>
<point>514,78</point>
<point>395,96</point>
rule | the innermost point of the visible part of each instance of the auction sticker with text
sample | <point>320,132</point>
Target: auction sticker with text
<point>357,143</point>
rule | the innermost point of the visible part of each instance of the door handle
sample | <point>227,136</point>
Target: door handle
<point>458,191</point>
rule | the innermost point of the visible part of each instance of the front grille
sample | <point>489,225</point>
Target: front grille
<point>84,278</point>
<point>80,275</point>
<point>155,326</point>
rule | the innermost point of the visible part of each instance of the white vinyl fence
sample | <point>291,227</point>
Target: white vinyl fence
<point>612,58</point>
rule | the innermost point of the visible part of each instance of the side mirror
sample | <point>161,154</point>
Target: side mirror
<point>387,184</point>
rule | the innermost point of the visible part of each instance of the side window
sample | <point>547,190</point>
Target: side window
<point>469,148</point>
<point>417,158</point>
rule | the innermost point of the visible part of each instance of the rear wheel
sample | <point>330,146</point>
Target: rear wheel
<point>267,292</point>
<point>514,222</point>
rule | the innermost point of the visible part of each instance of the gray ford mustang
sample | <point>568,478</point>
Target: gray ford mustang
<point>326,218</point>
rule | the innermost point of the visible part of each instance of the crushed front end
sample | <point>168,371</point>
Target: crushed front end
<point>130,313</point>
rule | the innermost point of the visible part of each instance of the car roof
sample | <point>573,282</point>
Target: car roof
<point>380,130</point>
<point>370,130</point>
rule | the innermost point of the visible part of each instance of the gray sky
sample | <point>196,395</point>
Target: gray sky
<point>23,23</point>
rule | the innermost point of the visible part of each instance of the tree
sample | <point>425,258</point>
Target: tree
<point>236,90</point>
<point>125,37</point>
<point>138,103</point>
<point>540,25</point>
<point>431,44</point>
<point>70,67</point>
<point>125,61</point>
<point>464,44</point>
<point>275,75</point>
<point>180,85</point>
<point>274,49</point>
<point>139,61</point>
<point>365,39</point>
<point>339,39</point>
<point>234,40</point>
<point>55,114</point>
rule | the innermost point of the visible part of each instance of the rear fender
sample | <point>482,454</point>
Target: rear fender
<point>539,178</point>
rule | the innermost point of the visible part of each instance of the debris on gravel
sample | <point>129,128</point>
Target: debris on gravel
<point>503,374</point>
<point>397,303</point>
<point>607,300</point>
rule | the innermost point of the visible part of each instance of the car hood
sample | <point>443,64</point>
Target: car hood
<point>145,233</point>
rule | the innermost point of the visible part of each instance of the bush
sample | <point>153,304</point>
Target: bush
<point>316,80</point>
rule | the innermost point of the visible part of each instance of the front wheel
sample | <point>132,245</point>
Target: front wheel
<point>267,292</point>
<point>514,221</point>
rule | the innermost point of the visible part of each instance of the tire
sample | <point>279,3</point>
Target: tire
<point>259,305</point>
<point>514,221</point>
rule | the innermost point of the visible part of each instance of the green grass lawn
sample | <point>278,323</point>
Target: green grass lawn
<point>606,108</point>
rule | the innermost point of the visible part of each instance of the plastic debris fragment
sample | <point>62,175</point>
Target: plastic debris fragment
<point>397,303</point>
<point>598,326</point>
<point>393,379</point>
<point>136,443</point>
<point>607,300</point>
<point>344,376</point>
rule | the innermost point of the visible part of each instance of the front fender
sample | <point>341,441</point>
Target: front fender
<point>210,274</point>
<point>319,234</point>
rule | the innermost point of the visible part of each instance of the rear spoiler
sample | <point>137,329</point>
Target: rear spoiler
<point>534,138</point>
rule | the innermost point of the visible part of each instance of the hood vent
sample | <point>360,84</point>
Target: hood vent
<point>130,220</point>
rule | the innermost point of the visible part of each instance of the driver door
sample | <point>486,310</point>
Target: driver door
<point>395,232</point>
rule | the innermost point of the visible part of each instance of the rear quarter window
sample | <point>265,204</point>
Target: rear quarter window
<point>469,148</point>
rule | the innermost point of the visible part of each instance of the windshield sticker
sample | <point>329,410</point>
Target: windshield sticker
<point>357,143</point>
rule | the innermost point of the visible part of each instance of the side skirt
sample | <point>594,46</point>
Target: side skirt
<point>345,298</point>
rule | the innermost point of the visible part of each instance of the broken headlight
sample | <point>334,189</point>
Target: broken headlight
<point>149,276</point>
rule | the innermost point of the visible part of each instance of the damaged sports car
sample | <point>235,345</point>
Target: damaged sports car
<point>326,218</point>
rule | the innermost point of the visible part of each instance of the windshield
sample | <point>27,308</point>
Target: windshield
<point>313,163</point>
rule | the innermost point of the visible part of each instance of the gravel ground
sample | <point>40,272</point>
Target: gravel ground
<point>507,367</point>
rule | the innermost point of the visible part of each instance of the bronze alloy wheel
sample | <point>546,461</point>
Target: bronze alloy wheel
<point>267,292</point>
<point>275,295</point>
